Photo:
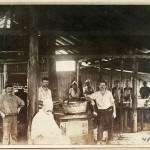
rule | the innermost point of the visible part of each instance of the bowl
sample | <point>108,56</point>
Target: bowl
<point>75,107</point>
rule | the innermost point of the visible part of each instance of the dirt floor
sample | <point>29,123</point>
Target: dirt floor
<point>128,138</point>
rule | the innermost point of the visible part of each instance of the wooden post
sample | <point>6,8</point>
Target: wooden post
<point>121,109</point>
<point>33,67</point>
<point>134,101</point>
<point>51,66</point>
<point>5,74</point>
<point>51,62</point>
<point>100,70</point>
<point>122,63</point>
<point>141,120</point>
<point>78,71</point>
<point>111,75</point>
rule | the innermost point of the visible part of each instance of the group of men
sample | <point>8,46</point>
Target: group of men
<point>104,102</point>
<point>44,125</point>
<point>44,129</point>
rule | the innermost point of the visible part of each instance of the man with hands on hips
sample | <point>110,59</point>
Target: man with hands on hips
<point>106,111</point>
<point>10,106</point>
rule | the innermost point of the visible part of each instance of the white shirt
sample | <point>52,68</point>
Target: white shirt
<point>46,97</point>
<point>103,101</point>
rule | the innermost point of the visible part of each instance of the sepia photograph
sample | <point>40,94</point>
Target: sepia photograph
<point>74,76</point>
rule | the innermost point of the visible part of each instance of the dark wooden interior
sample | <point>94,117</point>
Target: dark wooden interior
<point>104,36</point>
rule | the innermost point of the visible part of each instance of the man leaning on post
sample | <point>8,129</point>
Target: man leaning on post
<point>10,106</point>
<point>106,111</point>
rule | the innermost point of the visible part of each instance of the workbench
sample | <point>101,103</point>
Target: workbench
<point>128,110</point>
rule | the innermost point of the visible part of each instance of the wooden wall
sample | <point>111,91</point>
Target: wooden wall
<point>64,79</point>
<point>1,78</point>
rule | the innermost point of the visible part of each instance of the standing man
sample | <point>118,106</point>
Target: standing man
<point>10,106</point>
<point>88,89</point>
<point>127,92</point>
<point>127,96</point>
<point>145,90</point>
<point>106,111</point>
<point>45,94</point>
<point>117,92</point>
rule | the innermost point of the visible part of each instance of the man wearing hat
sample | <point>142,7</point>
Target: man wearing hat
<point>10,106</point>
<point>74,92</point>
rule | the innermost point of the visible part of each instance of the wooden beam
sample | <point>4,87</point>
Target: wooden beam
<point>15,51</point>
<point>9,61</point>
<point>12,32</point>
<point>75,33</point>
<point>100,70</point>
<point>90,47</point>
<point>98,56</point>
<point>121,110</point>
<point>93,33</point>
<point>111,75</point>
<point>5,74</point>
<point>78,64</point>
<point>134,101</point>
<point>33,68</point>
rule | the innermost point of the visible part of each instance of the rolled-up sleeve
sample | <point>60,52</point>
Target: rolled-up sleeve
<point>20,102</point>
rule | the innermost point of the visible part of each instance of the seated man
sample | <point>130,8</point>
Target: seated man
<point>44,129</point>
<point>74,92</point>
<point>88,89</point>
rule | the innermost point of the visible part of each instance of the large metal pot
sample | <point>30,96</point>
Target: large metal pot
<point>75,107</point>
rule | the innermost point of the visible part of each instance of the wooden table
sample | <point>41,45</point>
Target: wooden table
<point>124,117</point>
<point>142,110</point>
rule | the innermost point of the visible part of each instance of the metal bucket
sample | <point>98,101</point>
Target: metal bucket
<point>75,107</point>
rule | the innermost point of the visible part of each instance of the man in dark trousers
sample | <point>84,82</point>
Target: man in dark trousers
<point>10,106</point>
<point>117,93</point>
<point>106,111</point>
<point>22,116</point>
